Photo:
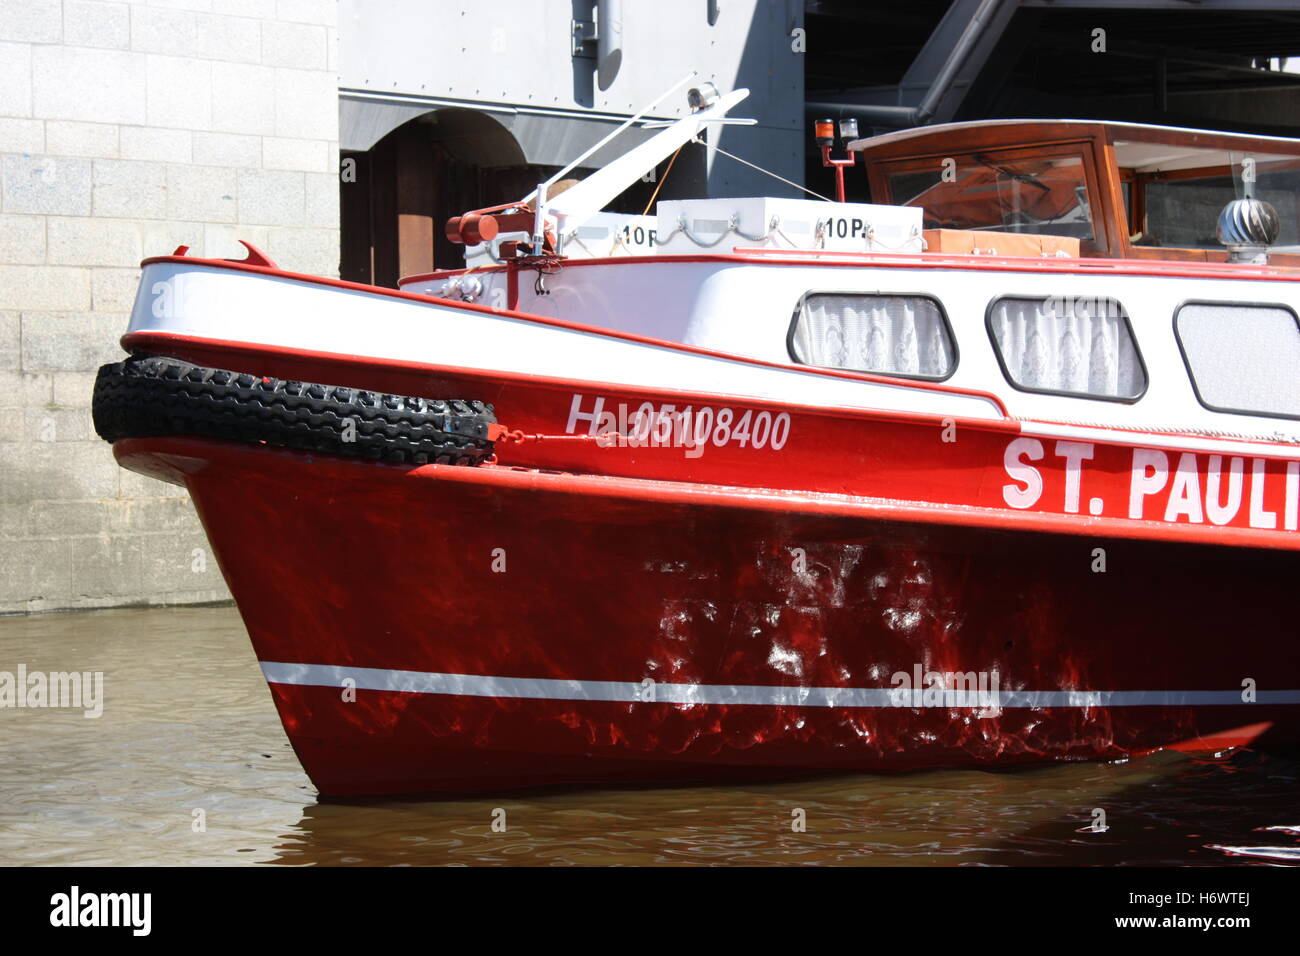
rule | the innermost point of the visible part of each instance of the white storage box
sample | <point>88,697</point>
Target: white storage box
<point>719,225</point>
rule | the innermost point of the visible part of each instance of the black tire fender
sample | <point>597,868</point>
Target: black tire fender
<point>151,396</point>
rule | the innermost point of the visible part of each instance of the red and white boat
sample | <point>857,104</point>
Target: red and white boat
<point>972,475</point>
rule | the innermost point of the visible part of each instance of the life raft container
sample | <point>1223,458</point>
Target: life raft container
<point>154,396</point>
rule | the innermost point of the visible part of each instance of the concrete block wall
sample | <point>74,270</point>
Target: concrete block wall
<point>127,129</point>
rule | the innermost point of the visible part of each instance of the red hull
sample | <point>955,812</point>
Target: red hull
<point>647,631</point>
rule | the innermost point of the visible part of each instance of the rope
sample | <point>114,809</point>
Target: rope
<point>613,247</point>
<point>733,226</point>
<point>1199,431</point>
<point>765,172</point>
<point>662,179</point>
<point>618,236</point>
<point>873,243</point>
<point>573,238</point>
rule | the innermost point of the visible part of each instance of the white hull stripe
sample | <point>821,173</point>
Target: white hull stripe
<point>477,685</point>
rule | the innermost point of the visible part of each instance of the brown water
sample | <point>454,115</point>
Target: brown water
<point>188,725</point>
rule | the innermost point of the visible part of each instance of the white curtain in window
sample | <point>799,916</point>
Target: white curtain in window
<point>1068,345</point>
<point>901,335</point>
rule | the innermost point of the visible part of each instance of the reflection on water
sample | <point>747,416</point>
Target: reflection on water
<point>188,726</point>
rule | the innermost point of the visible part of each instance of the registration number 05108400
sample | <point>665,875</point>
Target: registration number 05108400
<point>693,428</point>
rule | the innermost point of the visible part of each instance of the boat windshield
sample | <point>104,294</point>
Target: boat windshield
<point>1008,191</point>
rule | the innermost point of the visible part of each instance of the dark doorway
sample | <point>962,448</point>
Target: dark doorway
<point>412,181</point>
<point>396,197</point>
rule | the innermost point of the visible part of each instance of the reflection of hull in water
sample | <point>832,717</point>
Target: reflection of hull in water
<point>508,627</point>
<point>1162,810</point>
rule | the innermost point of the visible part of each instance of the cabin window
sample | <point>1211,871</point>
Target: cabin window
<point>1068,345</point>
<point>1008,191</point>
<point>1242,358</point>
<point>905,335</point>
<point>1182,206</point>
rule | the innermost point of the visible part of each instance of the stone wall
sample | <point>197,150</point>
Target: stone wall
<point>127,129</point>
